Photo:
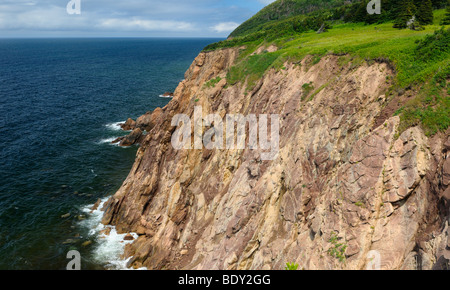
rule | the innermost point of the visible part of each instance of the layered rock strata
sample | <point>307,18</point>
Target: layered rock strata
<point>340,194</point>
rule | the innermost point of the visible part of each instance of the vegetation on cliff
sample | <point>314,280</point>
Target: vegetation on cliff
<point>342,187</point>
<point>421,57</point>
<point>431,107</point>
<point>284,9</point>
<point>446,19</point>
<point>290,17</point>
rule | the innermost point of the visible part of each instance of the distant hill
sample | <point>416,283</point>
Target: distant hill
<point>294,13</point>
<point>283,9</point>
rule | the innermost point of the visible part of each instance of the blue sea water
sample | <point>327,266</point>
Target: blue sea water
<point>59,100</point>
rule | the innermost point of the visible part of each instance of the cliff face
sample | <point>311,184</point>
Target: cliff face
<point>339,188</point>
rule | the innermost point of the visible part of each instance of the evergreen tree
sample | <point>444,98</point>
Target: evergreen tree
<point>405,12</point>
<point>388,10</point>
<point>439,4</point>
<point>361,12</point>
<point>446,20</point>
<point>424,12</point>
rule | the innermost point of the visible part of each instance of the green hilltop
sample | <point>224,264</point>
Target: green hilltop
<point>420,54</point>
<point>283,9</point>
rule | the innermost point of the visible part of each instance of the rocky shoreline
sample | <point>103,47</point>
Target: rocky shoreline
<point>138,128</point>
<point>337,179</point>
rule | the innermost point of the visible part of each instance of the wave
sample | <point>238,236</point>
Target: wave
<point>108,141</point>
<point>115,126</point>
<point>109,247</point>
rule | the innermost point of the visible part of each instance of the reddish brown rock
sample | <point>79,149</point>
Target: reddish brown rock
<point>129,125</point>
<point>133,138</point>
<point>128,237</point>
<point>141,230</point>
<point>96,205</point>
<point>147,121</point>
<point>106,231</point>
<point>447,145</point>
<point>117,140</point>
<point>446,173</point>
<point>334,175</point>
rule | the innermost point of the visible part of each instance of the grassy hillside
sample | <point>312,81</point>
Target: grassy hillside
<point>292,17</point>
<point>283,9</point>
<point>421,59</point>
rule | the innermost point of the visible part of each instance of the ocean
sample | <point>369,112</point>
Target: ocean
<point>60,103</point>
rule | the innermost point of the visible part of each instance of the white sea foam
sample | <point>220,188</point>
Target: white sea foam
<point>166,97</point>
<point>109,247</point>
<point>109,141</point>
<point>115,126</point>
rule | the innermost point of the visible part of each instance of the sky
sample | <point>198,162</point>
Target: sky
<point>124,18</point>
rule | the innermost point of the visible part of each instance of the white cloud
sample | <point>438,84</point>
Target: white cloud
<point>225,27</point>
<point>54,17</point>
<point>131,17</point>
<point>41,19</point>
<point>136,24</point>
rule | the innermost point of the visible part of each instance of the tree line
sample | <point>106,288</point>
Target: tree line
<point>399,11</point>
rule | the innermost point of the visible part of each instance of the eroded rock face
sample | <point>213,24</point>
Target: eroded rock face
<point>147,121</point>
<point>133,138</point>
<point>334,178</point>
<point>129,125</point>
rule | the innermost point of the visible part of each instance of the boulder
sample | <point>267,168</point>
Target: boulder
<point>69,242</point>
<point>129,125</point>
<point>133,138</point>
<point>147,122</point>
<point>106,232</point>
<point>67,215</point>
<point>128,237</point>
<point>117,140</point>
<point>168,95</point>
<point>87,243</point>
<point>96,205</point>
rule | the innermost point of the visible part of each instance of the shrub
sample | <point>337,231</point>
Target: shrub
<point>338,249</point>
<point>291,266</point>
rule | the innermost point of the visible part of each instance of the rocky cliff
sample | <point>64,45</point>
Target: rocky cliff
<point>344,185</point>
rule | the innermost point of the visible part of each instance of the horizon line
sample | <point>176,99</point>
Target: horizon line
<point>110,37</point>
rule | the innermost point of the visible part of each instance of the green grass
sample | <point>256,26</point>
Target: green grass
<point>307,88</point>
<point>318,90</point>
<point>415,66</point>
<point>212,83</point>
<point>280,10</point>
<point>252,68</point>
<point>366,41</point>
<point>431,108</point>
<point>338,249</point>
